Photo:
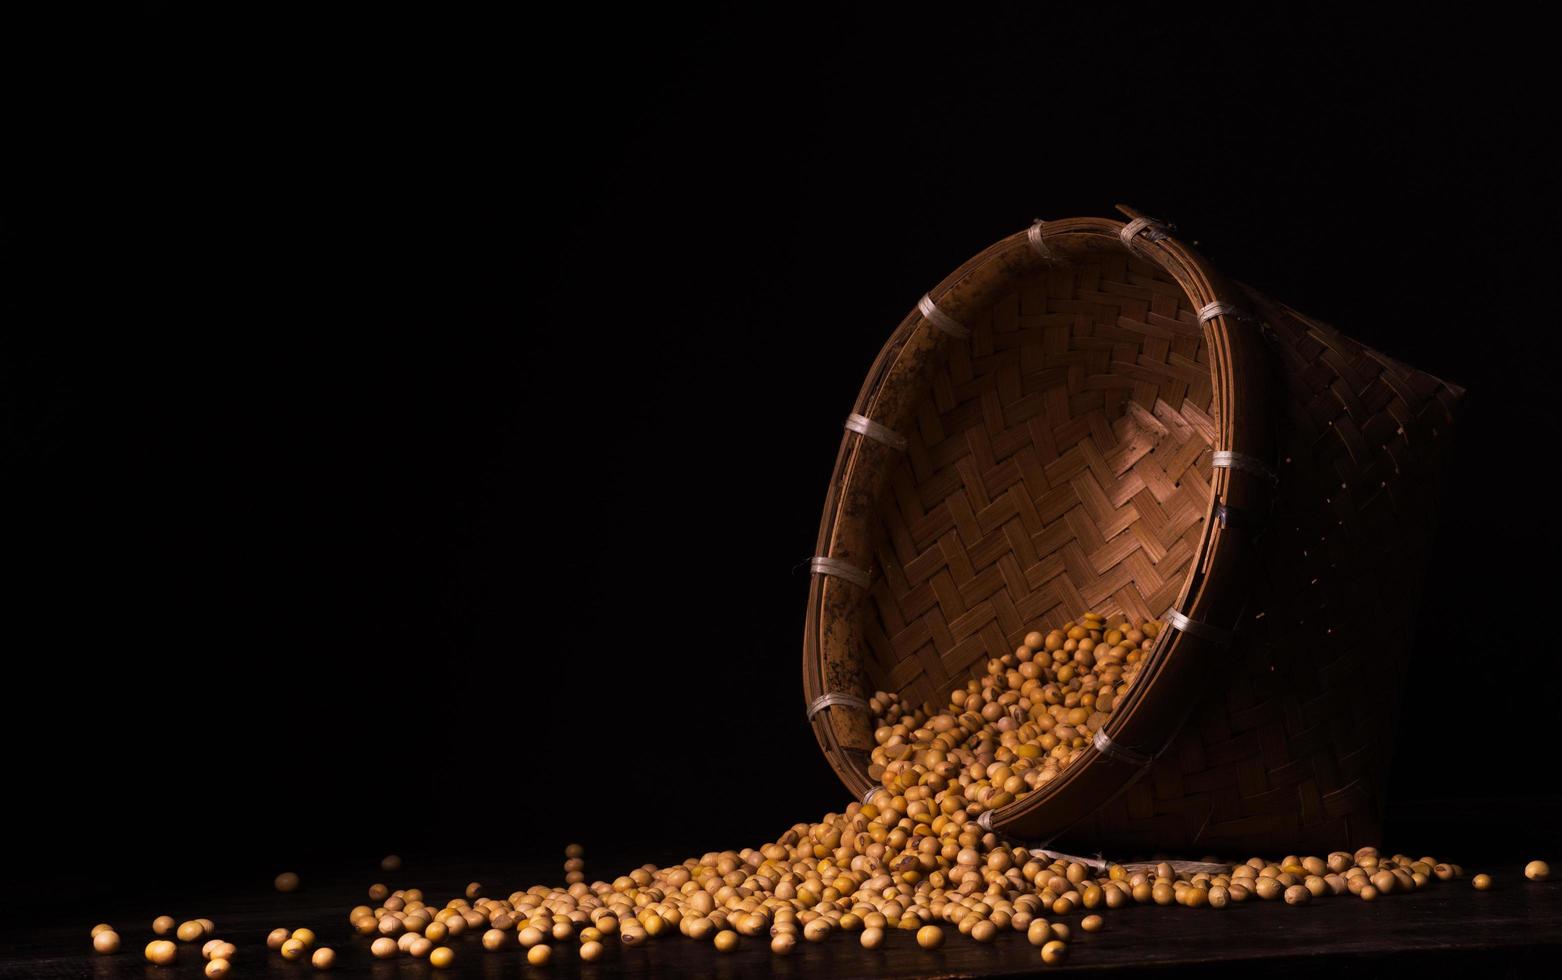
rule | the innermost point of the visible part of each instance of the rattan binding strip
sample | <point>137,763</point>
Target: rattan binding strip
<point>1121,753</point>
<point>1192,627</point>
<point>1236,517</point>
<point>1219,308</point>
<point>864,426</point>
<point>835,697</point>
<point>941,320</point>
<point>1100,863</point>
<point>840,569</point>
<point>1037,242</point>
<point>1152,229</point>
<point>1241,461</point>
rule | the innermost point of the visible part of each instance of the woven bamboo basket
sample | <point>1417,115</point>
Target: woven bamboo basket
<point>1087,417</point>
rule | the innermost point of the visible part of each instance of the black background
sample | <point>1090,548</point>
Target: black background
<point>414,427</point>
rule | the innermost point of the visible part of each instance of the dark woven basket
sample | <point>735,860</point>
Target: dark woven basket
<point>1087,417</point>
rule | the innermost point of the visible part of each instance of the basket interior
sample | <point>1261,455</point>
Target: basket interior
<point>1058,463</point>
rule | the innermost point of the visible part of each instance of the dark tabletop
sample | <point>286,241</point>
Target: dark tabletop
<point>1513,929</point>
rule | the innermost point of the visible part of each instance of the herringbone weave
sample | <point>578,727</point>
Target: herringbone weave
<point>1060,464</point>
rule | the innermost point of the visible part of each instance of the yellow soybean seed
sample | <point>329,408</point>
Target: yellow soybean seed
<point>539,954</point>
<point>726,941</point>
<point>872,937</point>
<point>1481,882</point>
<point>161,952</point>
<point>286,881</point>
<point>218,967</point>
<point>294,949</point>
<point>324,958</point>
<point>383,948</point>
<point>1297,895</point>
<point>591,951</point>
<point>1090,923</point>
<point>494,939</point>
<point>783,943</point>
<point>305,936</point>
<point>1537,871</point>
<point>1054,952</point>
<point>163,925</point>
<point>441,957</point>
<point>101,927</point>
<point>930,937</point>
<point>390,862</point>
<point>190,931</point>
<point>106,941</point>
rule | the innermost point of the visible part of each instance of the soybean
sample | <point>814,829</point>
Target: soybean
<point>161,952</point>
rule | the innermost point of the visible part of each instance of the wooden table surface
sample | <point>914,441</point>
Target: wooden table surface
<point>1513,929</point>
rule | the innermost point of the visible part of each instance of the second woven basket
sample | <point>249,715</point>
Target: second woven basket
<point>1087,417</point>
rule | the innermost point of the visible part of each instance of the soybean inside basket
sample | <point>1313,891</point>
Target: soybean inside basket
<point>1087,417</point>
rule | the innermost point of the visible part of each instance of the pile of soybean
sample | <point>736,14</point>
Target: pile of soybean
<point>1011,730</point>
<point>912,858</point>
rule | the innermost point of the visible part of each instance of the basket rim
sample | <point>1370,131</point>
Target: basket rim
<point>1141,726</point>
